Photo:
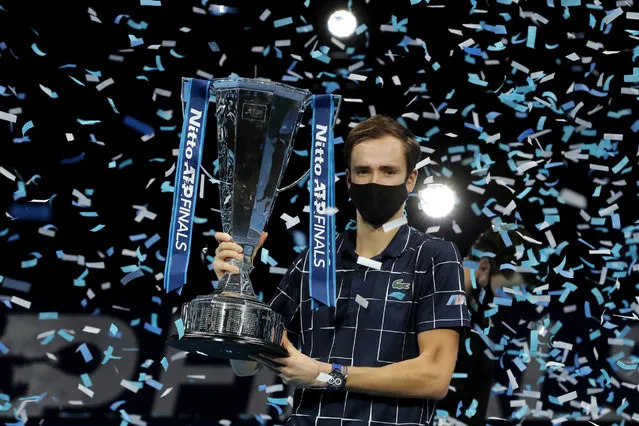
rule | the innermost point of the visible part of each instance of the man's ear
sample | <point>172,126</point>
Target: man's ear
<point>412,180</point>
<point>348,179</point>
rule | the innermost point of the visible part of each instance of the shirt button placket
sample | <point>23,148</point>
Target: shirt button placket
<point>356,285</point>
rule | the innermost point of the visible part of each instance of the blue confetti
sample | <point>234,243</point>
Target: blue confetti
<point>136,124</point>
<point>86,353</point>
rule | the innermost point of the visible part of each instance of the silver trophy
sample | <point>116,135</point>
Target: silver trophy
<point>257,121</point>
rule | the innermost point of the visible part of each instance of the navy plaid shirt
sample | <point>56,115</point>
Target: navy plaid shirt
<point>419,287</point>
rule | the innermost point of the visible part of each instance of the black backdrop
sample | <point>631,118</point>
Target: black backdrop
<point>110,158</point>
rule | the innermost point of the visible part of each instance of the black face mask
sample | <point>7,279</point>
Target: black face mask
<point>378,203</point>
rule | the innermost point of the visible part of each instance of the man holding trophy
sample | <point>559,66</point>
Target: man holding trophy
<point>376,312</point>
<point>386,352</point>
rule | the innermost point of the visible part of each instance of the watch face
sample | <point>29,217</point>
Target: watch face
<point>336,379</point>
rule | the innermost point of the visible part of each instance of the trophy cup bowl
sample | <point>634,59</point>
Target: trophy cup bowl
<point>257,121</point>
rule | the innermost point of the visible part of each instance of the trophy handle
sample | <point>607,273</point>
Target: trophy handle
<point>337,100</point>
<point>294,183</point>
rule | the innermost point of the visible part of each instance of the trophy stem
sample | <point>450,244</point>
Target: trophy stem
<point>239,285</point>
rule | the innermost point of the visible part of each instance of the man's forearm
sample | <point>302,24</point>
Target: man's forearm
<point>413,378</point>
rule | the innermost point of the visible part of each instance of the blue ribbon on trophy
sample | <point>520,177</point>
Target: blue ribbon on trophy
<point>322,285</point>
<point>196,96</point>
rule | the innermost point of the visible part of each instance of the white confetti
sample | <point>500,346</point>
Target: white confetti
<point>277,270</point>
<point>357,77</point>
<point>361,301</point>
<point>12,118</point>
<point>265,15</point>
<point>323,377</point>
<point>91,330</point>
<point>21,302</point>
<point>46,232</point>
<point>389,226</point>
<point>573,198</point>
<point>290,221</point>
<point>86,390</point>
<point>567,397</point>
<point>512,380</point>
<point>369,263</point>
<point>166,392</point>
<point>104,84</point>
<point>274,388</point>
<point>130,386</point>
<point>422,163</point>
<point>7,174</point>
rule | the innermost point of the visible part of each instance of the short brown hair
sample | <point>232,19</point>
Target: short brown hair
<point>377,127</point>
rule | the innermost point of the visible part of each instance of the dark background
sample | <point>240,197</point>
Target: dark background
<point>65,32</point>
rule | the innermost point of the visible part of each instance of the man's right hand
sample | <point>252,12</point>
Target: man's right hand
<point>227,250</point>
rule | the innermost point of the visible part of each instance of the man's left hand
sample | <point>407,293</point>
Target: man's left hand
<point>297,369</point>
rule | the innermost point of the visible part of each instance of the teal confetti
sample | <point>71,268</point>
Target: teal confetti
<point>179,325</point>
<point>283,22</point>
<point>66,336</point>
<point>37,50</point>
<point>532,34</point>
<point>88,122</point>
<point>27,126</point>
<point>86,380</point>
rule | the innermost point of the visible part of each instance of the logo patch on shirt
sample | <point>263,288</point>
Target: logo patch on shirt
<point>400,285</point>
<point>457,299</point>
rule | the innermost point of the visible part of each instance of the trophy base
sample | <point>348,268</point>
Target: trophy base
<point>230,325</point>
<point>229,347</point>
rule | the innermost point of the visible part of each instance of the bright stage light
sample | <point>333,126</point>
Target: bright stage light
<point>437,200</point>
<point>342,23</point>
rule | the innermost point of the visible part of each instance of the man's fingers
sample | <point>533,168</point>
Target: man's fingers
<point>224,255</point>
<point>220,267</point>
<point>222,236</point>
<point>230,246</point>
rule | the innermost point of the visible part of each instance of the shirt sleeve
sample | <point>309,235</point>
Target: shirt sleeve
<point>441,299</point>
<point>286,299</point>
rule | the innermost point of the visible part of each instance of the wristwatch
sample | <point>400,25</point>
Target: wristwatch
<point>337,379</point>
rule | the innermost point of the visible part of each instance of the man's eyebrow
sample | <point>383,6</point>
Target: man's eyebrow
<point>383,166</point>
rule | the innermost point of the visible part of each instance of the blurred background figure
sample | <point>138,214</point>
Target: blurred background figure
<point>500,258</point>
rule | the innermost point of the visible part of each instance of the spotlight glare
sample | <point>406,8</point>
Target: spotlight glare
<point>437,200</point>
<point>342,23</point>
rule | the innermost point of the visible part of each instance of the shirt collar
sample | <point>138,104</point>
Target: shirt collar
<point>394,249</point>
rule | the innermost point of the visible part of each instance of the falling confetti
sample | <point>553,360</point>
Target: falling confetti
<point>527,109</point>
